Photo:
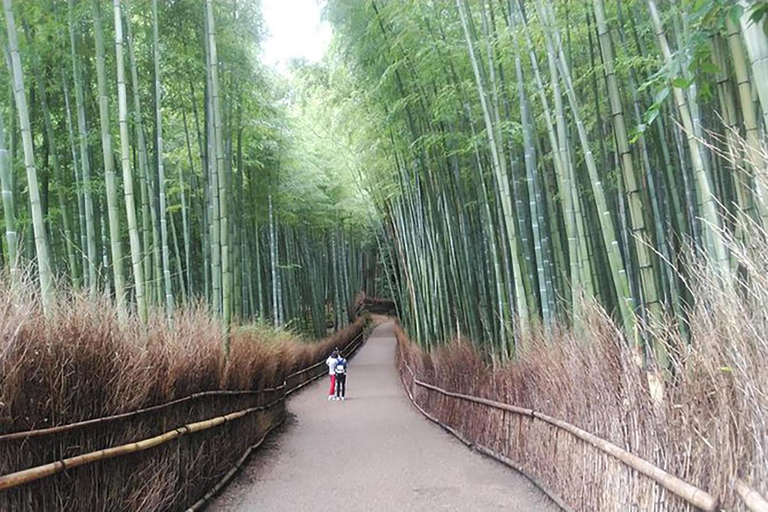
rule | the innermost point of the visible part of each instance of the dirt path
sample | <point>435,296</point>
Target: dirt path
<point>372,452</point>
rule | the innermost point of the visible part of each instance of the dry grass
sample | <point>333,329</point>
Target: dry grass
<point>80,362</point>
<point>708,427</point>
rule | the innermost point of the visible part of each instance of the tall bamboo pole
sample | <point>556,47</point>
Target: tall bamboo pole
<point>78,180</point>
<point>146,215</point>
<point>42,96</point>
<point>618,272</point>
<point>748,112</point>
<point>125,161</point>
<point>226,274</point>
<point>109,162</point>
<point>642,242</point>
<point>38,224</point>
<point>85,160</point>
<point>162,214</point>
<point>502,180</point>
<point>714,237</point>
<point>212,161</point>
<point>9,209</point>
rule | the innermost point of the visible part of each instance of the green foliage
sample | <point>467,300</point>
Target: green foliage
<point>284,139</point>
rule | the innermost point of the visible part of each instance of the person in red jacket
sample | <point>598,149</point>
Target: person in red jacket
<point>331,362</point>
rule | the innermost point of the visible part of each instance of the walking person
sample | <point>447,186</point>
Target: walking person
<point>331,362</point>
<point>341,378</point>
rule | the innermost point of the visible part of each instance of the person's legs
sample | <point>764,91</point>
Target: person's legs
<point>342,386</point>
<point>339,384</point>
<point>333,387</point>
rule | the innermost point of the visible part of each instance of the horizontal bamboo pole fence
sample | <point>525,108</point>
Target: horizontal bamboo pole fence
<point>36,473</point>
<point>59,429</point>
<point>751,498</point>
<point>22,477</point>
<point>490,453</point>
<point>202,502</point>
<point>106,419</point>
<point>693,495</point>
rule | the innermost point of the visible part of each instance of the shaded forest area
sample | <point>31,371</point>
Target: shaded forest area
<point>575,193</point>
<point>163,165</point>
<point>565,200</point>
<point>176,233</point>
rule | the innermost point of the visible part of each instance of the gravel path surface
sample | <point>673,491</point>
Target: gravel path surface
<point>374,451</point>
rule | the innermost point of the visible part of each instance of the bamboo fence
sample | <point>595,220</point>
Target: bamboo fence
<point>699,498</point>
<point>292,383</point>
<point>750,497</point>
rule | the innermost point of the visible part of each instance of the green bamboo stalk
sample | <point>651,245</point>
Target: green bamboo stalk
<point>185,207</point>
<point>749,115</point>
<point>9,209</point>
<point>146,212</point>
<point>226,275</point>
<point>163,213</point>
<point>38,224</point>
<point>619,277</point>
<point>500,173</point>
<point>42,96</point>
<point>642,242</point>
<point>714,237</point>
<point>273,266</point>
<point>125,161</point>
<point>109,163</point>
<point>212,160</point>
<point>78,183</point>
<point>85,160</point>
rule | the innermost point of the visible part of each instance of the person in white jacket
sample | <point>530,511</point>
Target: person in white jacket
<point>331,362</point>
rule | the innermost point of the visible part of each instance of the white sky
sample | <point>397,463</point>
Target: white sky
<point>294,29</point>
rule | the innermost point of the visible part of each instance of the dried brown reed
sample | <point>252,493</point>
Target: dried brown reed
<point>80,362</point>
<point>704,420</point>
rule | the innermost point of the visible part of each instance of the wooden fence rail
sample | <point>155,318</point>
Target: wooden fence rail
<point>59,429</point>
<point>750,497</point>
<point>690,493</point>
<point>22,477</point>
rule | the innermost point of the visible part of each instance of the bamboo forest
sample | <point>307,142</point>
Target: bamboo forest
<point>548,219</point>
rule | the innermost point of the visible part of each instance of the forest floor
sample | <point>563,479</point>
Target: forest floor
<point>372,452</point>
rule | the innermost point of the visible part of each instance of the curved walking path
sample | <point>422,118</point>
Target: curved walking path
<point>374,451</point>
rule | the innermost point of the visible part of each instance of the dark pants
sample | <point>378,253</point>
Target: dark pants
<point>341,385</point>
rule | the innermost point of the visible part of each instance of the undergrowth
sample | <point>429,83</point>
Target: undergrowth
<point>80,361</point>
<point>703,418</point>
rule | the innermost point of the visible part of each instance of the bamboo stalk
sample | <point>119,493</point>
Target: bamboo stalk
<point>752,499</point>
<point>108,163</point>
<point>677,486</point>
<point>45,272</point>
<point>125,164</point>
<point>9,213</point>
